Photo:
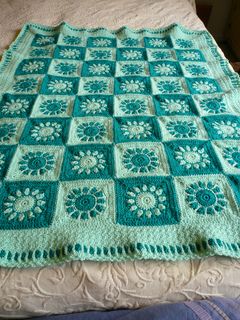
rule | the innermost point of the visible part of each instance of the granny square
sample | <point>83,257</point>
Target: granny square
<point>59,85</point>
<point>203,85</point>
<point>66,68</point>
<point>101,42</point>
<point>127,129</point>
<point>229,155</point>
<point>93,105</point>
<point>33,66</point>
<point>99,69</point>
<point>151,42</point>
<point>117,145</point>
<point>143,158</point>
<point>100,54</point>
<point>36,163</point>
<point>140,85</point>
<point>212,104</point>
<point>42,131</point>
<point>190,55</point>
<point>158,54</point>
<point>165,68</point>
<point>96,85</point>
<point>48,106</point>
<point>131,54</point>
<point>84,130</point>
<point>27,205</point>
<point>182,127</point>
<point>88,162</point>
<point>223,127</point>
<point>27,84</point>
<point>133,105</point>
<point>131,68</point>
<point>168,85</point>
<point>16,106</point>
<point>147,202</point>
<point>69,52</point>
<point>175,104</point>
<point>191,157</point>
<point>85,201</point>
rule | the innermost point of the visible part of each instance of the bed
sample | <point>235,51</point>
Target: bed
<point>79,286</point>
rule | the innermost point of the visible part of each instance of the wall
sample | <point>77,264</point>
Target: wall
<point>219,17</point>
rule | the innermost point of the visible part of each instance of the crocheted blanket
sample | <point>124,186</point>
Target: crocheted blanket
<point>117,145</point>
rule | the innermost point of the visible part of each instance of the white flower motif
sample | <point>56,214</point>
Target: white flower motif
<point>192,157</point>
<point>175,106</point>
<point>204,86</point>
<point>33,66</point>
<point>99,69</point>
<point>132,86</point>
<point>60,86</point>
<point>102,42</point>
<point>165,69</point>
<point>88,162</point>
<point>158,43</point>
<point>227,129</point>
<point>190,55</point>
<point>13,107</point>
<point>45,40</point>
<point>132,54</point>
<point>136,129</point>
<point>48,131</point>
<point>93,106</point>
<point>69,53</point>
<point>146,201</point>
<point>24,204</point>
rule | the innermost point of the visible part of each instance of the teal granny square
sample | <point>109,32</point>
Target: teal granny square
<point>33,66</point>
<point>163,43</point>
<point>223,127</point>
<point>165,68</point>
<point>174,105</point>
<point>192,157</point>
<point>40,40</point>
<point>203,85</point>
<point>69,52</point>
<point>190,55</point>
<point>42,131</point>
<point>38,200</point>
<point>46,52</point>
<point>88,162</point>
<point>117,145</point>
<point>153,190</point>
<point>136,85</point>
<point>16,106</point>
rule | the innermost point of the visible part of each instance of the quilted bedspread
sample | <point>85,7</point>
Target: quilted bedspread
<point>117,145</point>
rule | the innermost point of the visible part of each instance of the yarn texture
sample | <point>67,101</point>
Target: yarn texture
<point>117,145</point>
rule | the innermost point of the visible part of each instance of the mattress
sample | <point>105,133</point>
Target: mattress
<point>79,286</point>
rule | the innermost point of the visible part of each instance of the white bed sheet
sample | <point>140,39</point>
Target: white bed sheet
<point>79,285</point>
<point>111,14</point>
